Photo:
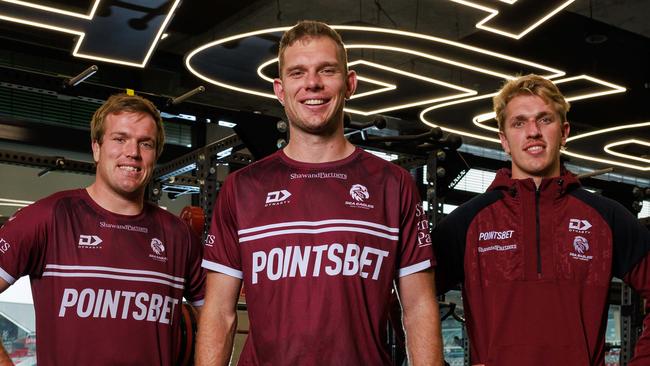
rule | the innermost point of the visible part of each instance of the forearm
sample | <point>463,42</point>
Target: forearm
<point>215,338</point>
<point>421,318</point>
<point>423,339</point>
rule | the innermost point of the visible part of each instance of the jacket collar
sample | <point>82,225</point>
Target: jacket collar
<point>555,186</point>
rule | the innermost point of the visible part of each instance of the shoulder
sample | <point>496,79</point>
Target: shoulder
<point>606,207</point>
<point>67,199</point>
<point>465,213</point>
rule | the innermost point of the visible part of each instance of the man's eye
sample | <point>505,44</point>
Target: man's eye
<point>147,145</point>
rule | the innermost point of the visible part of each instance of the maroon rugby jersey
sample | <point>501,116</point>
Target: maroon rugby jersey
<point>318,247</point>
<point>107,288</point>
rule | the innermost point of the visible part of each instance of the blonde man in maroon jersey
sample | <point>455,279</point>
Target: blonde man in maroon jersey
<point>108,270</point>
<point>318,232</point>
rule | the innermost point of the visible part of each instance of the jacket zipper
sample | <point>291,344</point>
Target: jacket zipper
<point>539,248</point>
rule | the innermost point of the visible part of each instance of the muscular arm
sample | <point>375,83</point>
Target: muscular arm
<point>218,320</point>
<point>421,318</point>
<point>4,357</point>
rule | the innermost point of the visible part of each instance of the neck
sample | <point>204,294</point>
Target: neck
<point>317,149</point>
<point>114,202</point>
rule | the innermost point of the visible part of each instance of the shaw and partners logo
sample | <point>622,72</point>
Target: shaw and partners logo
<point>581,247</point>
<point>89,241</point>
<point>277,198</point>
<point>159,249</point>
<point>359,194</point>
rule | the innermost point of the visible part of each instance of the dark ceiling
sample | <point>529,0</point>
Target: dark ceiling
<point>428,62</point>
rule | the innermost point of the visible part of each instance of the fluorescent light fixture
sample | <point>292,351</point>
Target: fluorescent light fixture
<point>495,12</point>
<point>224,153</point>
<point>187,117</point>
<point>81,35</point>
<point>164,35</point>
<point>227,124</point>
<point>383,155</point>
<point>14,203</point>
<point>645,210</point>
<point>476,180</point>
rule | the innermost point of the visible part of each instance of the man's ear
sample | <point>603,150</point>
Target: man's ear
<point>566,128</point>
<point>351,83</point>
<point>96,147</point>
<point>278,89</point>
<point>504,142</point>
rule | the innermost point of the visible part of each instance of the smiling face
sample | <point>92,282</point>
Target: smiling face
<point>532,134</point>
<point>313,86</point>
<point>126,155</point>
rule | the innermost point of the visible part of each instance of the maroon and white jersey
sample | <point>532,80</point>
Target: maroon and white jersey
<point>107,288</point>
<point>318,247</point>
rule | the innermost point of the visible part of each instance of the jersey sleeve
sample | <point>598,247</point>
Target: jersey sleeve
<point>221,249</point>
<point>195,279</point>
<point>416,253</point>
<point>22,242</point>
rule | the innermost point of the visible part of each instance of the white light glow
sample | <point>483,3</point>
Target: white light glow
<point>227,124</point>
<point>608,149</point>
<point>551,72</point>
<point>495,12</point>
<point>81,34</point>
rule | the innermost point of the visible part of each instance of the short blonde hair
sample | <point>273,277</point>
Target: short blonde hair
<point>530,84</point>
<point>119,103</point>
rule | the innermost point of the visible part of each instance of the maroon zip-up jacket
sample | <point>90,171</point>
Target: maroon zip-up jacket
<point>536,265</point>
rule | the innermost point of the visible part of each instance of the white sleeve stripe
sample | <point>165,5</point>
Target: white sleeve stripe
<point>414,268</point>
<point>198,303</point>
<point>216,267</point>
<point>7,277</point>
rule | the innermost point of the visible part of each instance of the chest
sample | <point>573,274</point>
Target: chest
<point>515,240</point>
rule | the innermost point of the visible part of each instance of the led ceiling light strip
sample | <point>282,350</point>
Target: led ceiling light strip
<point>608,149</point>
<point>464,91</point>
<point>453,130</point>
<point>552,73</point>
<point>606,130</point>
<point>479,119</point>
<point>81,34</point>
<point>50,9</point>
<point>385,86</point>
<point>495,12</point>
<point>607,161</point>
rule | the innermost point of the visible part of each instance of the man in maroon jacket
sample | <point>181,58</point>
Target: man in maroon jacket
<point>108,270</point>
<point>535,253</point>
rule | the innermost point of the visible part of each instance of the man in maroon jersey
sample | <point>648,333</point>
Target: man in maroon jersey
<point>108,270</point>
<point>318,232</point>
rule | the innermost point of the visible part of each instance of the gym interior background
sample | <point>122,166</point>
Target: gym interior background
<point>427,71</point>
